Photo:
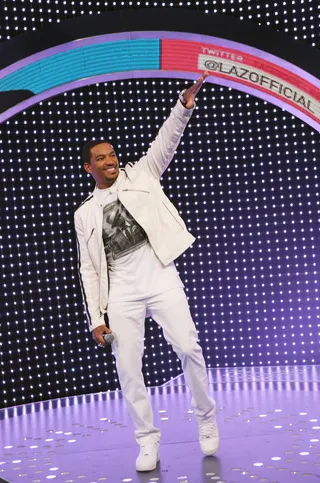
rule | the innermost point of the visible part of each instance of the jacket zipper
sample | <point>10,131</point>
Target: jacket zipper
<point>141,191</point>
<point>173,215</point>
<point>92,231</point>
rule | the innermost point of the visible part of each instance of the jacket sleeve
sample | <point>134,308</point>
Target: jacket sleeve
<point>162,149</point>
<point>88,277</point>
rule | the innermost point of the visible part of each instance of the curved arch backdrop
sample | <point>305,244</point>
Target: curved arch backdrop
<point>161,53</point>
<point>245,179</point>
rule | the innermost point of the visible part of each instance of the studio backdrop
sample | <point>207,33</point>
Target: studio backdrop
<point>245,179</point>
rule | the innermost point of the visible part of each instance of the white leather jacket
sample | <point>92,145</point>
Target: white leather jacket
<point>141,194</point>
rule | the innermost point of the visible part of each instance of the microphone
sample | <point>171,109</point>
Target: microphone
<point>108,338</point>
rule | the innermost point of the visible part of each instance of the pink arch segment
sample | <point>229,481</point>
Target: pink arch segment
<point>260,76</point>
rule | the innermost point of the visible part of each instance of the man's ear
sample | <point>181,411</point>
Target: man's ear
<point>87,167</point>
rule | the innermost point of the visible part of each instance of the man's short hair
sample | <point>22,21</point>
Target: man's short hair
<point>86,150</point>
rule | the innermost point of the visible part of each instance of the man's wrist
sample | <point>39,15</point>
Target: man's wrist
<point>182,99</point>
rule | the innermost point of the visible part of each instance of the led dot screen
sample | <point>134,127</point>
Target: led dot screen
<point>245,180</point>
<point>299,19</point>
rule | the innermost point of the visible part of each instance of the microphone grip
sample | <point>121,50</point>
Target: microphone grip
<point>108,338</point>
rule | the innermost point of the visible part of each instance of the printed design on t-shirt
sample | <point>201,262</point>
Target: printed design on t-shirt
<point>120,232</point>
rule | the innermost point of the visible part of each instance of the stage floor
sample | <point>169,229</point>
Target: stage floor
<point>269,420</point>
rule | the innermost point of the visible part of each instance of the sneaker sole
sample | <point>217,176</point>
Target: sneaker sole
<point>211,453</point>
<point>148,469</point>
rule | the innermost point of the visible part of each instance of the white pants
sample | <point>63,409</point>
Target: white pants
<point>127,320</point>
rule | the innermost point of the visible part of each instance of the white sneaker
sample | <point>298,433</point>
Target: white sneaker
<point>209,437</point>
<point>148,457</point>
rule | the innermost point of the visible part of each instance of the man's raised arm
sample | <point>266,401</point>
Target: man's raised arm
<point>162,149</point>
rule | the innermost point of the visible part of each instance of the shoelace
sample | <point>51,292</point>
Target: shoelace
<point>207,430</point>
<point>147,449</point>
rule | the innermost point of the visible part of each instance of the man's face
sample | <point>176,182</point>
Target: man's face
<point>103,166</point>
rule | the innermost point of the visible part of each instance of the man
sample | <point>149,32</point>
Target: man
<point>128,236</point>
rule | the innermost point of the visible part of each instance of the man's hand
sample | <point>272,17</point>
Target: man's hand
<point>97,334</point>
<point>190,94</point>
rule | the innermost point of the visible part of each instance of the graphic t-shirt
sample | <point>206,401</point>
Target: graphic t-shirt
<point>120,232</point>
<point>135,272</point>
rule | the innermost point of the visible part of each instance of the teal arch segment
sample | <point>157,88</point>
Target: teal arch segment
<point>87,61</point>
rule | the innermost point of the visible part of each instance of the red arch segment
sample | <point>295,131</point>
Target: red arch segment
<point>244,68</point>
